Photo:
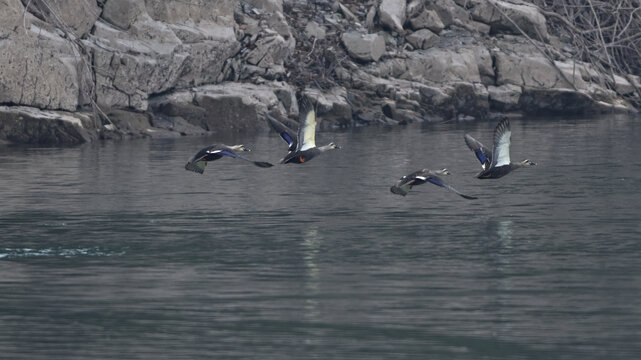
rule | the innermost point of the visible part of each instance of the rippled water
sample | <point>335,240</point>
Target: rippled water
<point>113,250</point>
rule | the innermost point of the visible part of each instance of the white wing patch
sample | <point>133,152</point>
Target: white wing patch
<point>502,150</point>
<point>307,132</point>
<point>423,178</point>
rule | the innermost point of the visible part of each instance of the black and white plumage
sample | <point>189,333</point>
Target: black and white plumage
<point>496,163</point>
<point>302,147</point>
<point>198,162</point>
<point>404,184</point>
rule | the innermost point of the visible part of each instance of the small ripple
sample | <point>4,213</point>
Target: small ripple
<point>16,253</point>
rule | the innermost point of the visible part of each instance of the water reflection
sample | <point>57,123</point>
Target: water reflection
<point>500,235</point>
<point>311,245</point>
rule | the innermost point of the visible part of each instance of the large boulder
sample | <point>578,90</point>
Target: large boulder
<point>147,47</point>
<point>40,69</point>
<point>391,14</point>
<point>331,106</point>
<point>75,16</point>
<point>122,13</point>
<point>526,16</point>
<point>28,125</point>
<point>228,106</point>
<point>422,39</point>
<point>10,16</point>
<point>269,5</point>
<point>129,68</point>
<point>270,49</point>
<point>534,71</point>
<point>427,19</point>
<point>504,97</point>
<point>364,47</point>
<point>449,12</point>
<point>440,65</point>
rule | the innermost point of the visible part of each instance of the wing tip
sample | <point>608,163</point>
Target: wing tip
<point>191,166</point>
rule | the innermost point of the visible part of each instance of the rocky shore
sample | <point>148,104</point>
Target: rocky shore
<point>73,71</point>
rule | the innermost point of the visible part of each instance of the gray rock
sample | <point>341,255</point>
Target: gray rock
<point>622,85</point>
<point>131,123</point>
<point>10,16</point>
<point>269,5</point>
<point>533,71</point>
<point>269,50</point>
<point>528,17</point>
<point>331,106</point>
<point>504,97</point>
<point>414,8</point>
<point>77,16</point>
<point>449,12</point>
<point>369,18</point>
<point>312,29</point>
<point>422,39</point>
<point>392,14</point>
<point>224,107</point>
<point>28,125</point>
<point>347,13</point>
<point>443,65</point>
<point>40,71</point>
<point>567,101</point>
<point>364,47</point>
<point>427,19</point>
<point>485,64</point>
<point>122,13</point>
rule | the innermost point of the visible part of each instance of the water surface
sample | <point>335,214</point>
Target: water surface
<point>113,250</point>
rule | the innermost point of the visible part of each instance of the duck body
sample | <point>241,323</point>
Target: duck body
<point>405,184</point>
<point>198,162</point>
<point>497,172</point>
<point>496,163</point>
<point>302,146</point>
<point>299,157</point>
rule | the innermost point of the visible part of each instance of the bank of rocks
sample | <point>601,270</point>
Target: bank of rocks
<point>79,70</point>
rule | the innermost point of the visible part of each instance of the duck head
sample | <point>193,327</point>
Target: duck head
<point>527,162</point>
<point>240,147</point>
<point>443,172</point>
<point>330,146</point>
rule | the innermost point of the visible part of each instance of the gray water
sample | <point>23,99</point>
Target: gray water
<point>112,250</point>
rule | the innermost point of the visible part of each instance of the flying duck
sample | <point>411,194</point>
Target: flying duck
<point>198,162</point>
<point>302,148</point>
<point>496,163</point>
<point>404,184</point>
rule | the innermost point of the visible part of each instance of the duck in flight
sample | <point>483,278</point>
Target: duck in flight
<point>198,162</point>
<point>404,184</point>
<point>302,147</point>
<point>496,163</point>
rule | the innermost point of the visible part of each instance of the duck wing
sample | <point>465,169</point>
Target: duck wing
<point>230,153</point>
<point>404,184</point>
<point>307,128</point>
<point>436,180</point>
<point>501,150</point>
<point>482,153</point>
<point>198,162</point>
<point>286,133</point>
<point>197,166</point>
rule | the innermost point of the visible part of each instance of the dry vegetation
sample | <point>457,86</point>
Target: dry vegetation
<point>606,34</point>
